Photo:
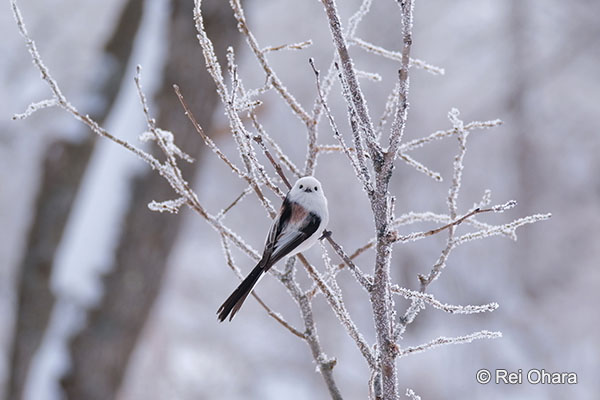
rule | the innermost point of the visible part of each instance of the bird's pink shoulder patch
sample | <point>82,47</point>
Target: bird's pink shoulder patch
<point>298,213</point>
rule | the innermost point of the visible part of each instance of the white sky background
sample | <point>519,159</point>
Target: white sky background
<point>546,310</point>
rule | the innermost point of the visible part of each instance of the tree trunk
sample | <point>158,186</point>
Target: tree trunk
<point>102,350</point>
<point>64,165</point>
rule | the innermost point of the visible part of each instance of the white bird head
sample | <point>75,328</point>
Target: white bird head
<point>308,192</point>
<point>308,184</point>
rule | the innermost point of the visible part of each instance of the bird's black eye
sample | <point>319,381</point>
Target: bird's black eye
<point>301,186</point>
<point>316,188</point>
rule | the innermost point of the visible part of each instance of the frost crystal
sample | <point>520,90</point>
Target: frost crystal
<point>410,393</point>
<point>171,206</point>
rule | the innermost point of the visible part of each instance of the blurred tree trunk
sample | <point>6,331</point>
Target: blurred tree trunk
<point>64,165</point>
<point>527,152</point>
<point>101,352</point>
<point>520,61</point>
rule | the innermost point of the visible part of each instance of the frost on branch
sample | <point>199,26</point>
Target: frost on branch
<point>33,107</point>
<point>441,341</point>
<point>167,138</point>
<point>292,46</point>
<point>451,309</point>
<point>171,206</point>
<point>411,393</point>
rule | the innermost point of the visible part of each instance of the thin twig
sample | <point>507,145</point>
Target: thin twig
<point>292,46</point>
<point>339,308</point>
<point>324,363</point>
<point>358,163</point>
<point>347,67</point>
<point>360,276</point>
<point>444,340</point>
<point>275,164</point>
<point>449,308</point>
<point>238,11</point>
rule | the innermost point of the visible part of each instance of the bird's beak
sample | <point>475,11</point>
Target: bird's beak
<point>308,190</point>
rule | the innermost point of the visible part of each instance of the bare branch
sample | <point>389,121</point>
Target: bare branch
<point>224,211</point>
<point>399,123</point>
<point>444,340</point>
<point>358,163</point>
<point>357,99</point>
<point>411,393</point>
<point>171,206</point>
<point>416,143</point>
<point>292,46</point>
<point>278,169</point>
<point>33,107</point>
<point>420,235</point>
<point>207,140</point>
<point>260,56</point>
<point>68,107</point>
<point>324,363</point>
<point>280,154</point>
<point>502,229</point>
<point>360,276</point>
<point>396,56</point>
<point>451,309</point>
<point>421,168</point>
<point>341,312</point>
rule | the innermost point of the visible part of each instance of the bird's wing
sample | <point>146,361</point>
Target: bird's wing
<point>295,225</point>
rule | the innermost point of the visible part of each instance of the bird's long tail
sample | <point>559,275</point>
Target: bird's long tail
<point>236,299</point>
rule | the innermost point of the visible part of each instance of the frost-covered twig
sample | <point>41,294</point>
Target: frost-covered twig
<point>358,163</point>
<point>33,107</point>
<point>246,176</point>
<point>394,55</point>
<point>260,56</point>
<point>62,100</point>
<point>458,161</point>
<point>420,167</point>
<point>360,276</point>
<point>399,123</point>
<point>207,140</point>
<point>224,211</point>
<point>328,80</point>
<point>451,201</point>
<point>339,308</point>
<point>454,340</point>
<point>449,308</point>
<point>171,206</point>
<point>324,363</point>
<point>411,393</point>
<point>416,143</point>
<point>420,235</point>
<point>368,75</point>
<point>485,229</point>
<point>357,101</point>
<point>291,46</point>
<point>278,169</point>
<point>509,228</point>
<point>263,135</point>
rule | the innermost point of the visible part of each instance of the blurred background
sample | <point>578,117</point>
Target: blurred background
<point>100,298</point>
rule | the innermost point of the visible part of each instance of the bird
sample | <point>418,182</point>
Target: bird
<point>299,224</point>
